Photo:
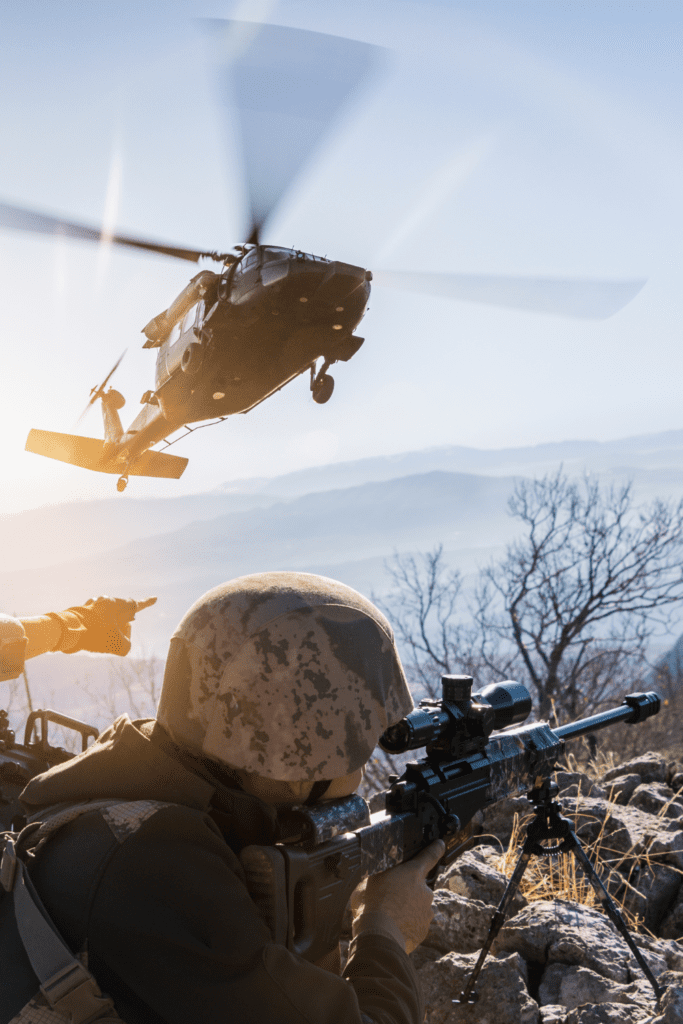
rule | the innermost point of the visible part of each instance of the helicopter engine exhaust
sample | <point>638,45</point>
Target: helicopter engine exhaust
<point>159,328</point>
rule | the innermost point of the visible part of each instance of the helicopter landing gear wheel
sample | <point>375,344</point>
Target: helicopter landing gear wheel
<point>121,483</point>
<point>322,388</point>
<point>322,385</point>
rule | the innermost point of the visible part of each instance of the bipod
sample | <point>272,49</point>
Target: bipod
<point>550,828</point>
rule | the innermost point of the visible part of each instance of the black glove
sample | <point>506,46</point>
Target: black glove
<point>101,625</point>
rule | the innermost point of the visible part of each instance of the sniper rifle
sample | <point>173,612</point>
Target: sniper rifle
<point>474,757</point>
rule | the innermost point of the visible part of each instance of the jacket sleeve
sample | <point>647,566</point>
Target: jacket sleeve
<point>173,931</point>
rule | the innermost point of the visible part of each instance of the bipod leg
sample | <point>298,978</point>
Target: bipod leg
<point>612,911</point>
<point>468,995</point>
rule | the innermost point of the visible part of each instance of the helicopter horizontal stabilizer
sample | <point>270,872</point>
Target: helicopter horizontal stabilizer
<point>100,456</point>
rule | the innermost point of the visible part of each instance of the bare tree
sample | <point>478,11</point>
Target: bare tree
<point>577,598</point>
<point>133,687</point>
<point>423,608</point>
<point>570,608</point>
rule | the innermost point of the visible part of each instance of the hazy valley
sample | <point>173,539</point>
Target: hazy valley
<point>342,520</point>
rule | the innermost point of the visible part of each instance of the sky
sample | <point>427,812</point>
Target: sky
<point>539,138</point>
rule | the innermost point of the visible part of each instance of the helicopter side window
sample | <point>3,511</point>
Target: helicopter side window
<point>174,335</point>
<point>189,319</point>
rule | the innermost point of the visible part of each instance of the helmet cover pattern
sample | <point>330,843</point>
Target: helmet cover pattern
<point>289,675</point>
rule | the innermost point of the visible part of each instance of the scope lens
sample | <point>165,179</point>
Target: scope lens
<point>415,731</point>
<point>511,702</point>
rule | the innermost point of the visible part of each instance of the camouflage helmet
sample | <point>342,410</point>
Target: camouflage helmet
<point>285,674</point>
<point>13,643</point>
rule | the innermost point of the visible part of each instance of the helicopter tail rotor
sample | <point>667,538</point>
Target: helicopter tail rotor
<point>99,392</point>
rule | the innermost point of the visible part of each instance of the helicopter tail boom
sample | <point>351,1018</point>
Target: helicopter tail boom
<point>101,456</point>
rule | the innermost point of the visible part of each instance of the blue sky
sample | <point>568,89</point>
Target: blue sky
<point>511,138</point>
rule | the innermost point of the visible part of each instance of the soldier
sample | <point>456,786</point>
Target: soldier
<point>276,690</point>
<point>101,625</point>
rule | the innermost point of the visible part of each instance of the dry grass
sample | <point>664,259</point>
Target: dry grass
<point>561,876</point>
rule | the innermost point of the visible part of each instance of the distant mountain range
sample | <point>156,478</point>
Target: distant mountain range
<point>652,453</point>
<point>333,532</point>
<point>57,533</point>
<point>342,520</point>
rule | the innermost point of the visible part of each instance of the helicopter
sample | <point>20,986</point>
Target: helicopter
<point>235,336</point>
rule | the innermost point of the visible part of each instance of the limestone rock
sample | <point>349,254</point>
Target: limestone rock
<point>655,962</point>
<point>651,767</point>
<point>473,875</point>
<point>502,994</point>
<point>573,986</point>
<point>424,955</point>
<point>459,924</point>
<point>498,818</point>
<point>631,831</point>
<point>656,798</point>
<point>669,950</point>
<point>672,925</point>
<point>653,891</point>
<point>553,1014</point>
<point>670,1010</point>
<point>622,788</point>
<point>573,784</point>
<point>557,931</point>
<point>608,1013</point>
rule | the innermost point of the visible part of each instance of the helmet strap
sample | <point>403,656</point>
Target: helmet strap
<point>319,788</point>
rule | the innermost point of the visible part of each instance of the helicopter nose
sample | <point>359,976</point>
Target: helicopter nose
<point>340,281</point>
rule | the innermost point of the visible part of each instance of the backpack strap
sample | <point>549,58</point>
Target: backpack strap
<point>67,986</point>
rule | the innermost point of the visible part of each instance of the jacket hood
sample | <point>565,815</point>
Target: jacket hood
<point>129,761</point>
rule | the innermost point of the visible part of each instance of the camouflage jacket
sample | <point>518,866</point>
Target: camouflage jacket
<point>152,891</point>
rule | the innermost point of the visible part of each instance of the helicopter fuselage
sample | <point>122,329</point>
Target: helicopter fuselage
<point>231,340</point>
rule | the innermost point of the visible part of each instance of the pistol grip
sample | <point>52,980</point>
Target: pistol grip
<point>264,867</point>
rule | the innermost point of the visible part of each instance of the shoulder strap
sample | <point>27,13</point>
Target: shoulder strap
<point>67,985</point>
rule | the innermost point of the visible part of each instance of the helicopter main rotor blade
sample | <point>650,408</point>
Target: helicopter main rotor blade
<point>19,219</point>
<point>590,300</point>
<point>288,85</point>
<point>96,392</point>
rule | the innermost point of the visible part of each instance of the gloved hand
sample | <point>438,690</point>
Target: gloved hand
<point>401,896</point>
<point>101,625</point>
<point>12,647</point>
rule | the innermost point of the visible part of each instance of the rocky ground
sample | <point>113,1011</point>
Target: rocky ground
<point>558,959</point>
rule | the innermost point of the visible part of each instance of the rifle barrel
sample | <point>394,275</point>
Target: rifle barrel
<point>636,707</point>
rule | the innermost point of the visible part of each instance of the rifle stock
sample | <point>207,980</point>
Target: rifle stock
<point>303,884</point>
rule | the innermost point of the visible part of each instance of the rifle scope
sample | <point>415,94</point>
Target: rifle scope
<point>459,713</point>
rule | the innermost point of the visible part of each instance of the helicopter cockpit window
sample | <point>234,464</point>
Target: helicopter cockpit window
<point>272,254</point>
<point>250,260</point>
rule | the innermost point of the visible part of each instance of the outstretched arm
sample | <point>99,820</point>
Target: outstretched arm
<point>101,625</point>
